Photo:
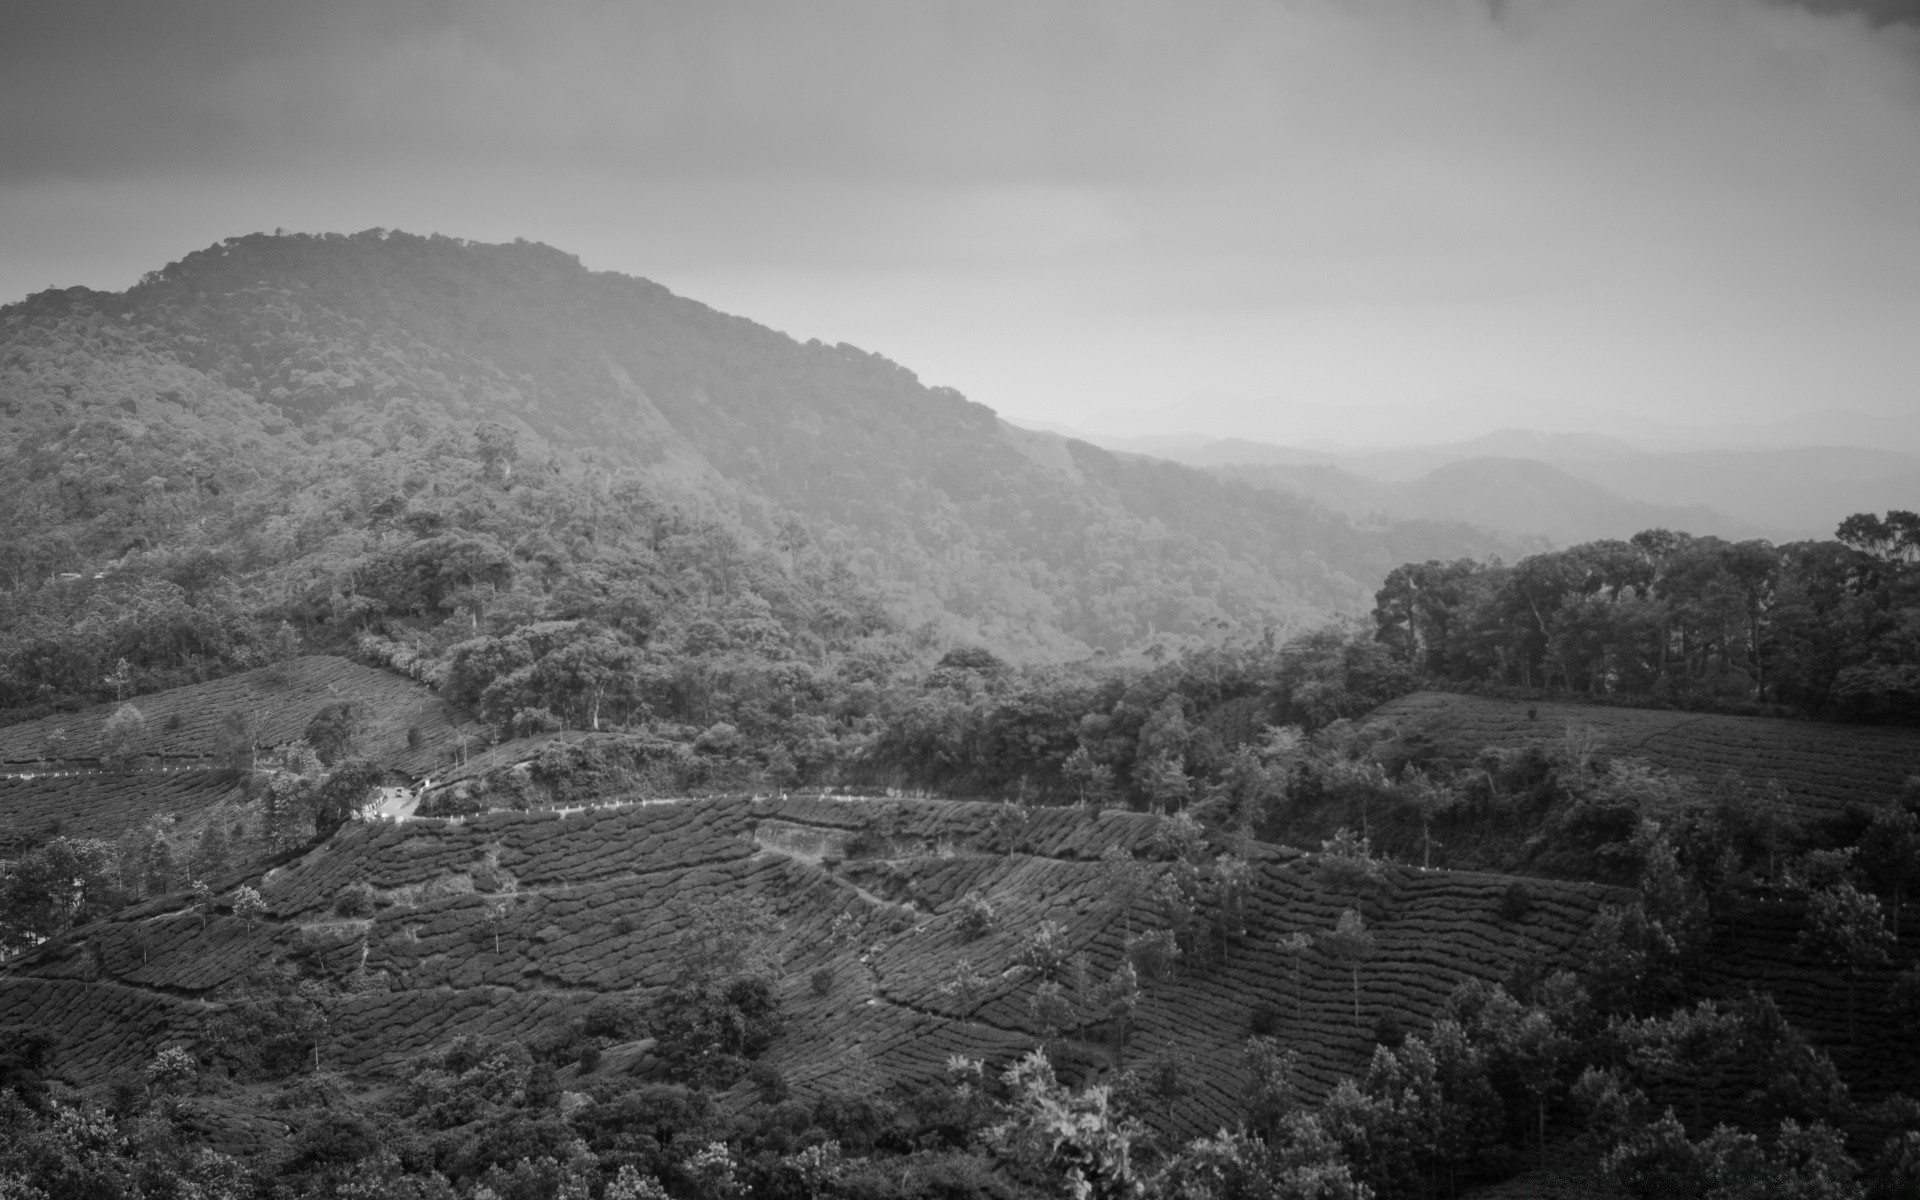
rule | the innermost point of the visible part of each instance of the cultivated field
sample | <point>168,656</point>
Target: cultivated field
<point>184,725</point>
<point>1824,768</point>
<point>99,804</point>
<point>52,780</point>
<point>598,897</point>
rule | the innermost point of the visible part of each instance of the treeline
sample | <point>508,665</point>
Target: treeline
<point>1821,628</point>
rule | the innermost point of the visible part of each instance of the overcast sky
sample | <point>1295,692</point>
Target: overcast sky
<point>1236,217</point>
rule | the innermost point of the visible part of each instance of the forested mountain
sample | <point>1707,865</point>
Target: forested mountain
<point>370,434</point>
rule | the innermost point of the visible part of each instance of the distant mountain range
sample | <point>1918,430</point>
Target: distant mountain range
<point>1570,487</point>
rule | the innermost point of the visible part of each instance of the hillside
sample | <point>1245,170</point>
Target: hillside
<point>217,384</point>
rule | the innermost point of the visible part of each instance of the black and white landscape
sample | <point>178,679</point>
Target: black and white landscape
<point>1300,601</point>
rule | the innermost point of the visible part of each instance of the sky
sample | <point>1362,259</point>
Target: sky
<point>1365,220</point>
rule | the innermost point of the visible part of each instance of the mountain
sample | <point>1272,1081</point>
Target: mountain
<point>1517,497</point>
<point>1781,493</point>
<point>236,368</point>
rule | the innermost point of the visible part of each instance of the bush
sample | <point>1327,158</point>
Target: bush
<point>354,900</point>
<point>976,915</point>
<point>771,1082</point>
<point>1264,1020</point>
<point>822,981</point>
<point>708,1031</point>
<point>1389,1031</point>
<point>1516,902</point>
<point>618,1018</point>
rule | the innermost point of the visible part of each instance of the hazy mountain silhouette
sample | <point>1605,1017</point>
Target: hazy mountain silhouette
<point>1779,493</point>
<point>1515,496</point>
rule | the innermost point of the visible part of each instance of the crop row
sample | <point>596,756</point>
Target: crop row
<point>1823,767</point>
<point>96,1028</point>
<point>101,804</point>
<point>406,726</point>
<point>605,895</point>
<point>534,849</point>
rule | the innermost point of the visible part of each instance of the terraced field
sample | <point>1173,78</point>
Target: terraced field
<point>101,804</point>
<point>1824,768</point>
<point>184,724</point>
<point>598,896</point>
<point>56,784</point>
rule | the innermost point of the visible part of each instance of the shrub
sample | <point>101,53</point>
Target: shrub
<point>709,1031</point>
<point>1389,1031</point>
<point>1516,902</point>
<point>771,1082</point>
<point>1153,954</point>
<point>354,900</point>
<point>1264,1019</point>
<point>976,915</point>
<point>618,1018</point>
<point>822,981</point>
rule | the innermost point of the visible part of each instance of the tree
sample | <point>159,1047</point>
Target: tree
<point>1351,944</point>
<point>171,1070</point>
<point>333,731</point>
<point>1091,781</point>
<point>1116,1000</point>
<point>236,740</point>
<point>341,793</point>
<point>67,882</point>
<point>966,985</point>
<point>1295,946</point>
<point>1890,854</point>
<point>1125,880</point>
<point>248,905</point>
<point>1346,862</point>
<point>497,450</point>
<point>1846,930</point>
<point>497,915</point>
<point>1429,801</point>
<point>202,901</point>
<point>1075,1142</point>
<point>120,736</point>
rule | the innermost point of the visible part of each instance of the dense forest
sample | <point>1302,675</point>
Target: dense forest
<point>1829,628</point>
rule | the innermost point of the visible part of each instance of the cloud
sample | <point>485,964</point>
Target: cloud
<point>1061,206</point>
